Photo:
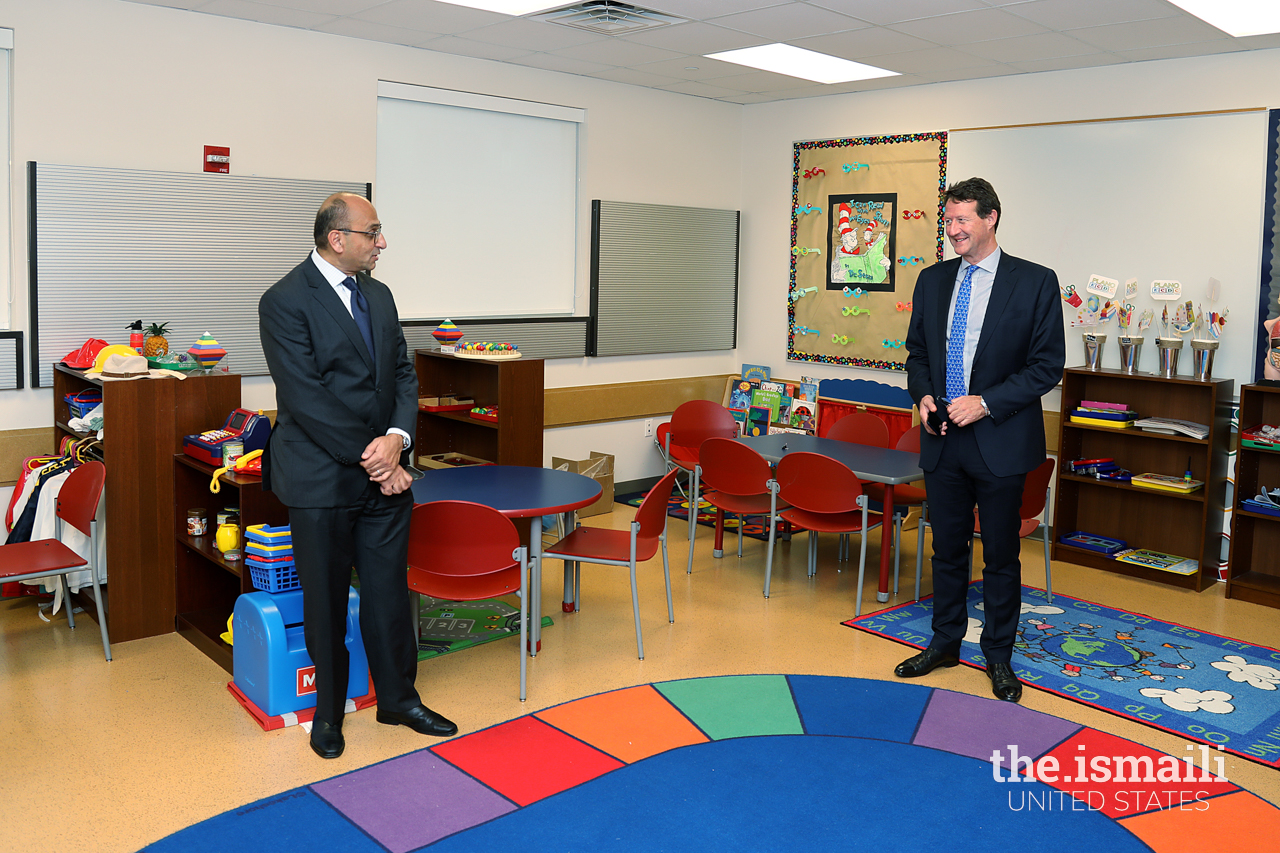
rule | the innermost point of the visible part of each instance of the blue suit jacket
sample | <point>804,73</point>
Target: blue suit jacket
<point>331,399</point>
<point>1020,357</point>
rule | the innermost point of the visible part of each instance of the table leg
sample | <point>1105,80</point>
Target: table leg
<point>886,542</point>
<point>567,600</point>
<point>535,572</point>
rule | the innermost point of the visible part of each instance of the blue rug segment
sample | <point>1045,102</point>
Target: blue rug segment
<point>1207,688</point>
<point>856,707</point>
<point>292,822</point>
<point>821,793</point>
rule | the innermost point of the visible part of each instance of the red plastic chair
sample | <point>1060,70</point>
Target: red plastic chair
<point>904,498</point>
<point>623,547</point>
<point>742,483</point>
<point>78,506</point>
<point>691,424</point>
<point>825,497</point>
<point>1035,498</point>
<point>463,551</point>
<point>861,428</point>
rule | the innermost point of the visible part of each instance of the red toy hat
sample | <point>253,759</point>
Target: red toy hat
<point>84,357</point>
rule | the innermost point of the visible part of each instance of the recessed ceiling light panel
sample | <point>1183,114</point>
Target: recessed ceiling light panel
<point>805,64</point>
<point>1236,17</point>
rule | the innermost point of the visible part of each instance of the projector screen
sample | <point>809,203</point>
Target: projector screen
<point>478,197</point>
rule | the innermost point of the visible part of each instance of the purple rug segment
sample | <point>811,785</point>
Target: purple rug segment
<point>412,801</point>
<point>973,726</point>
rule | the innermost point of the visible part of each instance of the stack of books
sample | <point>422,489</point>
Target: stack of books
<point>1166,482</point>
<point>1109,415</point>
<point>1171,426</point>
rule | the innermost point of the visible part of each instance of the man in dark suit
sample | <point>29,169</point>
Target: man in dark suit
<point>984,345</point>
<point>346,398</point>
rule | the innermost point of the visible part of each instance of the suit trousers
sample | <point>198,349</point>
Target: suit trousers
<point>373,536</point>
<point>960,480</point>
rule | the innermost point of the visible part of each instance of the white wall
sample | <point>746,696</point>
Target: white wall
<point>1233,81</point>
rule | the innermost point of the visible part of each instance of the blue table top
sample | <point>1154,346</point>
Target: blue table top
<point>513,490</point>
<point>875,464</point>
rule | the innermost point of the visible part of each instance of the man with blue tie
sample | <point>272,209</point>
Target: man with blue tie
<point>347,403</point>
<point>985,343</point>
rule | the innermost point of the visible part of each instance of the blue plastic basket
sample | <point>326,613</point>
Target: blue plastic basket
<point>274,578</point>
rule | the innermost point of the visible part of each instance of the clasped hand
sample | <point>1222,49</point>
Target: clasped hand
<point>962,412</point>
<point>381,461</point>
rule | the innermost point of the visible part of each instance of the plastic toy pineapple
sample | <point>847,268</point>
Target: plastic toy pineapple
<point>157,344</point>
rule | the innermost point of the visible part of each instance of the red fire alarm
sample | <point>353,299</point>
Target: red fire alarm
<point>217,159</point>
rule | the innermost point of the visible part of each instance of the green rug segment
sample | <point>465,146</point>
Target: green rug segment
<point>450,626</point>
<point>736,706</point>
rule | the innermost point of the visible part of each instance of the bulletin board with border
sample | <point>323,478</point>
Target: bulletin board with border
<point>866,218</point>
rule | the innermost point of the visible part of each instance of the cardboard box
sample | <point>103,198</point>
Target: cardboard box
<point>599,467</point>
<point>450,460</point>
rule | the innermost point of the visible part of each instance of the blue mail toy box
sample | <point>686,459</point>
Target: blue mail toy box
<point>269,657</point>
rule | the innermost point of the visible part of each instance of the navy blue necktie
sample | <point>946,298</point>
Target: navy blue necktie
<point>360,312</point>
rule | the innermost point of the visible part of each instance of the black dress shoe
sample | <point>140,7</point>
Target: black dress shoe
<point>1004,684</point>
<point>327,740</point>
<point>421,719</point>
<point>924,663</point>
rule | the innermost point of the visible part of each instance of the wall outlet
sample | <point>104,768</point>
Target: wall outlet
<point>648,427</point>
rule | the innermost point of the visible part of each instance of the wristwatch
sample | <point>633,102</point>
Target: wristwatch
<point>986,410</point>
<point>407,442</point>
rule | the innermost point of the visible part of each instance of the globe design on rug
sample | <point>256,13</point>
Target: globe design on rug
<point>1083,650</point>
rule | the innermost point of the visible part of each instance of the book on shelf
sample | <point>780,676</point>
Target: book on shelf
<point>1100,422</point>
<point>740,394</point>
<point>1159,560</point>
<point>775,430</point>
<point>809,392</point>
<point>1166,482</point>
<point>755,372</point>
<point>804,416</point>
<point>771,400</point>
<point>1172,426</point>
<point>1104,414</point>
<point>757,422</point>
<point>1099,404</point>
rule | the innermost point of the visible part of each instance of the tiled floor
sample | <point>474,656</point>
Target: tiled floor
<point>153,742</point>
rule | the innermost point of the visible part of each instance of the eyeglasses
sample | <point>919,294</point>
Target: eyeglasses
<point>373,234</point>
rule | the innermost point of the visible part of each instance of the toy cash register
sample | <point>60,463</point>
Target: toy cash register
<point>250,428</point>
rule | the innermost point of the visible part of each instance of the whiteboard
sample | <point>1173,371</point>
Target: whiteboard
<point>478,198</point>
<point>1176,198</point>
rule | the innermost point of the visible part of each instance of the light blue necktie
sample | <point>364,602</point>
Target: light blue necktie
<point>360,313</point>
<point>955,343</point>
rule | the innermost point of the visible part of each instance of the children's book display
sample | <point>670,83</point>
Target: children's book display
<point>791,406</point>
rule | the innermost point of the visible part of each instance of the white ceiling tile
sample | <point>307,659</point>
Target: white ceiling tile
<point>697,38</point>
<point>892,11</point>
<point>1072,14</point>
<point>938,59</point>
<point>551,62</point>
<point>1136,36</point>
<point>431,16</point>
<point>609,51</point>
<point>478,49</point>
<point>354,28</point>
<point>328,7</point>
<point>636,77</point>
<point>1063,63</point>
<point>969,27</point>
<point>758,81</point>
<point>700,10</point>
<point>702,90</point>
<point>856,44</point>
<point>265,14</point>
<point>1027,48</point>
<point>534,35</point>
<point>970,74</point>
<point>691,68</point>
<point>792,21</point>
<point>1170,51</point>
<point>171,4</point>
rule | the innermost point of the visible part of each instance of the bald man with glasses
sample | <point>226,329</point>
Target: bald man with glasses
<point>338,458</point>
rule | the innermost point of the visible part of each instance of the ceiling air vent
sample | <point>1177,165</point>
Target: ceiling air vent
<point>607,18</point>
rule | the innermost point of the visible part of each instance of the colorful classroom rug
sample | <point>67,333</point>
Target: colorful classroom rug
<point>1198,685</point>
<point>678,507</point>
<point>756,762</point>
<point>450,626</point>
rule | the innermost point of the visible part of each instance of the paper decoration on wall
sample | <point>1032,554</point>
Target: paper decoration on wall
<point>808,208</point>
<point>881,225</point>
<point>1166,290</point>
<point>1214,290</point>
<point>805,250</point>
<point>904,306</point>
<point>1070,296</point>
<point>1104,287</point>
<point>1131,289</point>
<point>805,330</point>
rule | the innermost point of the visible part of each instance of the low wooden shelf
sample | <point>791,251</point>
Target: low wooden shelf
<point>1254,573</point>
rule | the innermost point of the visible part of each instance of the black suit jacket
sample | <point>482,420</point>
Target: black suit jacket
<point>1020,357</point>
<point>331,399</point>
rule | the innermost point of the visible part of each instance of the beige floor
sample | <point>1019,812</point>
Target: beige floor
<point>110,757</point>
